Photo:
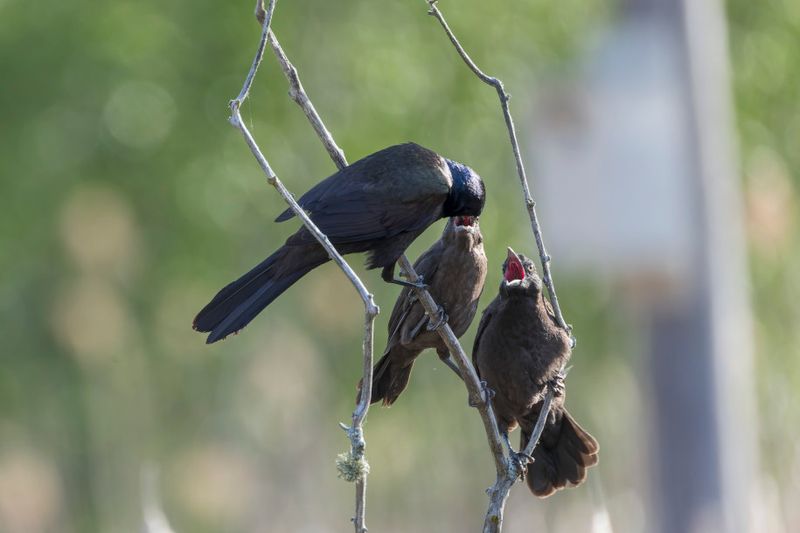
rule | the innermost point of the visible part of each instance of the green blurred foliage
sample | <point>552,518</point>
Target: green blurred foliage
<point>764,41</point>
<point>127,201</point>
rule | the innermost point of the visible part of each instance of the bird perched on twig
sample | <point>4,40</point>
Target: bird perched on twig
<point>454,268</point>
<point>519,352</point>
<point>379,204</point>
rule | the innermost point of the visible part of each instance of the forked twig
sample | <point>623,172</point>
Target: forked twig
<point>371,310</point>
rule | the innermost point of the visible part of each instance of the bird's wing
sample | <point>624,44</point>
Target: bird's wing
<point>549,308</point>
<point>396,190</point>
<point>402,306</point>
<point>359,217</point>
<point>488,313</point>
<point>408,316</point>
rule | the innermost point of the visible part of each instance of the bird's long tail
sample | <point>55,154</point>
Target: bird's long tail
<point>240,301</point>
<point>562,456</point>
<point>390,375</point>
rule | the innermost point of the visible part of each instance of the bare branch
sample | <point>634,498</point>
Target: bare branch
<point>355,432</point>
<point>298,94</point>
<point>540,422</point>
<point>470,377</point>
<point>498,493</point>
<point>504,97</point>
<point>505,469</point>
<point>353,461</point>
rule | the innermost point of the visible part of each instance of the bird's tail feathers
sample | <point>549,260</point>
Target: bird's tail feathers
<point>562,456</point>
<point>240,301</point>
<point>389,377</point>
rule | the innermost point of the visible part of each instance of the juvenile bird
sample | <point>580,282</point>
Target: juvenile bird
<point>379,204</point>
<point>519,352</point>
<point>454,268</point>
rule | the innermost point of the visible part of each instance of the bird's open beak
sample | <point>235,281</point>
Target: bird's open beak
<point>466,221</point>
<point>514,268</point>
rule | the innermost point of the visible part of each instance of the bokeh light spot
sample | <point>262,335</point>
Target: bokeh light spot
<point>90,319</point>
<point>30,493</point>
<point>216,483</point>
<point>99,231</point>
<point>140,114</point>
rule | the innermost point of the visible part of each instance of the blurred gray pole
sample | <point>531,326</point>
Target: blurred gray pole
<point>700,345</point>
<point>637,164</point>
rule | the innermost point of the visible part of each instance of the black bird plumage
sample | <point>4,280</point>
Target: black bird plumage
<point>454,268</point>
<point>519,350</point>
<point>379,204</point>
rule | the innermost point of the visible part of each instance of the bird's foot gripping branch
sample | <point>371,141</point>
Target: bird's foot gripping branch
<point>485,397</point>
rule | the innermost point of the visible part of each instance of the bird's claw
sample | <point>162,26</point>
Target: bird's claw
<point>520,460</point>
<point>486,395</point>
<point>557,384</point>
<point>441,321</point>
<point>419,284</point>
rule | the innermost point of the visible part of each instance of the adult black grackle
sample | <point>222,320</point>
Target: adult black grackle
<point>379,204</point>
<point>454,268</point>
<point>519,352</point>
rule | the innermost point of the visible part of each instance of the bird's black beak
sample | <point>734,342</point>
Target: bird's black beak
<point>514,269</point>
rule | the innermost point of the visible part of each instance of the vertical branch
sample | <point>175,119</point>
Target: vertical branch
<point>498,493</point>
<point>504,97</point>
<point>355,460</point>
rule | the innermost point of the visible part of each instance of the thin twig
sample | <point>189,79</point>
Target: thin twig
<point>299,95</point>
<point>504,97</point>
<point>355,432</point>
<point>470,377</point>
<point>371,310</point>
<point>540,422</point>
<point>498,493</point>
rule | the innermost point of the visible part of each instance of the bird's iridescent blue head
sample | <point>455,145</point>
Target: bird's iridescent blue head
<point>467,195</point>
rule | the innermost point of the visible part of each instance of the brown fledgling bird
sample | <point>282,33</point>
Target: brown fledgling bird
<point>454,269</point>
<point>519,352</point>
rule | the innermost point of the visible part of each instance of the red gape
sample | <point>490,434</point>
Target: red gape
<point>514,269</point>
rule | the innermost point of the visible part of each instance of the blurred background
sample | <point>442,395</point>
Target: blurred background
<point>667,185</point>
